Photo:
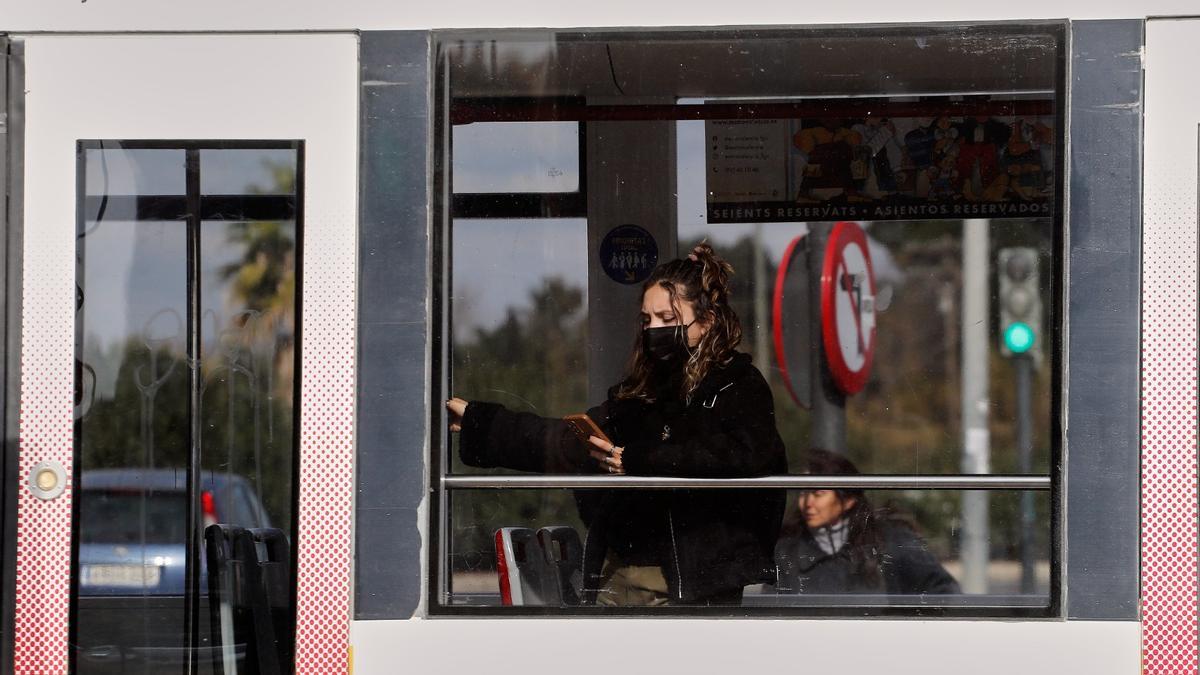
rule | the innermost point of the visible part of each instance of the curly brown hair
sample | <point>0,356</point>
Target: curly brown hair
<point>702,280</point>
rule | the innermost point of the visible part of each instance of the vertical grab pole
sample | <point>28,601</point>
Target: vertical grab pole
<point>191,602</point>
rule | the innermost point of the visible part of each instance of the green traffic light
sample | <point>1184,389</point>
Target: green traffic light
<point>1018,337</point>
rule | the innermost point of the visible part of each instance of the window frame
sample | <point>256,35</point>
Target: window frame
<point>441,481</point>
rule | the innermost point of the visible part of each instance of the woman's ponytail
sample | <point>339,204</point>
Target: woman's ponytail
<point>714,273</point>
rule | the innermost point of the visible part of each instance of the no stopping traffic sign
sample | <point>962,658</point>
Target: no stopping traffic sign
<point>848,307</point>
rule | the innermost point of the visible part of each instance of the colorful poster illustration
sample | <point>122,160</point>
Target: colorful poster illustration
<point>881,168</point>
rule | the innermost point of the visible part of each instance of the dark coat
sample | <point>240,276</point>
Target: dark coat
<point>906,567</point>
<point>707,541</point>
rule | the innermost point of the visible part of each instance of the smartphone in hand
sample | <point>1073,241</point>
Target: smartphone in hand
<point>584,426</point>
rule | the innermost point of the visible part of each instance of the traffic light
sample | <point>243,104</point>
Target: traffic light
<point>1020,302</point>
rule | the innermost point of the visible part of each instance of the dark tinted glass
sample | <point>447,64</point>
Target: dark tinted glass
<point>504,157</point>
<point>248,282</point>
<point>186,300</point>
<point>915,535</point>
<point>117,518</point>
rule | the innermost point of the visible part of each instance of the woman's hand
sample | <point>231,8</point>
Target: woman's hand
<point>457,408</point>
<point>606,455</point>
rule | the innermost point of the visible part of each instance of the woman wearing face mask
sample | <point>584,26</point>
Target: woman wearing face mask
<point>839,543</point>
<point>689,405</point>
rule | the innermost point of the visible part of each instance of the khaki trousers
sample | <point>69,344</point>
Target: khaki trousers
<point>631,585</point>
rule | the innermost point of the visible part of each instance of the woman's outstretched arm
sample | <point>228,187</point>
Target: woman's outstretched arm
<point>494,436</point>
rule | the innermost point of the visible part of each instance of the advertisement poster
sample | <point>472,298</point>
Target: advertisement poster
<point>880,167</point>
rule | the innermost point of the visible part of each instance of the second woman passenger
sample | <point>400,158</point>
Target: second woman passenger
<point>839,543</point>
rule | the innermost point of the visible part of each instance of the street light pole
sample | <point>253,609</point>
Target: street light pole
<point>1023,364</point>
<point>976,437</point>
<point>828,402</point>
<point>1020,324</point>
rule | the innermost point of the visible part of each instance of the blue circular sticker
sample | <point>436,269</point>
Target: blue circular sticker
<point>628,254</point>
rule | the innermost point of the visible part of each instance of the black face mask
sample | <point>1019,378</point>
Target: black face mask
<point>666,344</point>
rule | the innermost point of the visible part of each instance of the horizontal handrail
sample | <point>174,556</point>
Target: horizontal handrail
<point>865,482</point>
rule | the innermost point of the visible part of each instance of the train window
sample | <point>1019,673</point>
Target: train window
<point>536,156</point>
<point>890,202</point>
<point>185,366</point>
<point>519,310</point>
<point>506,166</point>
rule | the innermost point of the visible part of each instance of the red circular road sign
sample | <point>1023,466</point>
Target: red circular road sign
<point>792,322</point>
<point>848,307</point>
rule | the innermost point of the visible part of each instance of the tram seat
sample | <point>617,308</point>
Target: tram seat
<point>539,569</point>
<point>564,554</point>
<point>249,598</point>
<point>230,620</point>
<point>275,568</point>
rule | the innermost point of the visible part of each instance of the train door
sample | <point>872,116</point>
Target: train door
<point>187,353</point>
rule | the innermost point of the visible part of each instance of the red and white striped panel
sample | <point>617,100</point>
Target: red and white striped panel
<point>1169,339</point>
<point>44,527</point>
<point>327,388</point>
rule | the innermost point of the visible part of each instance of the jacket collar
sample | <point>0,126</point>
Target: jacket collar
<point>719,378</point>
<point>807,555</point>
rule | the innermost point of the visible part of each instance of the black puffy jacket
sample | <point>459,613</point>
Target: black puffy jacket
<point>707,541</point>
<point>906,566</point>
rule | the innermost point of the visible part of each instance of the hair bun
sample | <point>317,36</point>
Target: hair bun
<point>714,271</point>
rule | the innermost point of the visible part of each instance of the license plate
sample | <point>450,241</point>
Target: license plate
<point>123,576</point>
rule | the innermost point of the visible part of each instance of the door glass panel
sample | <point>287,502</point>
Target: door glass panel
<point>231,171</point>
<point>131,411</point>
<point>113,171</point>
<point>248,282</point>
<point>173,270</point>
